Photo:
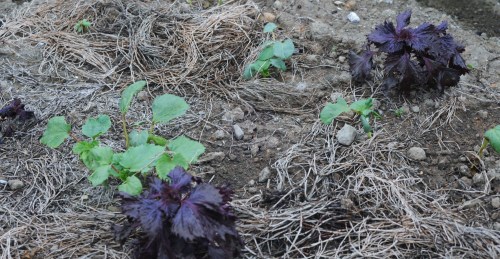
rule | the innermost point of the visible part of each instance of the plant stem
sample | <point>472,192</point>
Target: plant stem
<point>152,128</point>
<point>483,147</point>
<point>125,132</point>
<point>75,138</point>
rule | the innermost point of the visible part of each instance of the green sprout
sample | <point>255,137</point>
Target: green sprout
<point>399,112</point>
<point>273,54</point>
<point>362,107</point>
<point>82,26</point>
<point>491,137</point>
<point>144,150</point>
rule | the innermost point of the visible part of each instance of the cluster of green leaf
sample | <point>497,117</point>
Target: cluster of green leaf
<point>273,54</point>
<point>491,137</point>
<point>82,26</point>
<point>144,152</point>
<point>399,112</point>
<point>362,107</point>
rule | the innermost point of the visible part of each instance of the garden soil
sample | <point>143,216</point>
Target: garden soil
<point>298,192</point>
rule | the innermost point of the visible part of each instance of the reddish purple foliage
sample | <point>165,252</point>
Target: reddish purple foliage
<point>182,219</point>
<point>14,109</point>
<point>415,56</point>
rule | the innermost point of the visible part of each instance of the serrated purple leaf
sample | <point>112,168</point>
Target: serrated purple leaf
<point>200,215</point>
<point>442,27</point>
<point>402,20</point>
<point>385,38</point>
<point>179,179</point>
<point>419,38</point>
<point>361,65</point>
<point>408,70</point>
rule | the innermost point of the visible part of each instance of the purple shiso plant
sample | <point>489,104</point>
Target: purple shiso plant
<point>425,55</point>
<point>182,218</point>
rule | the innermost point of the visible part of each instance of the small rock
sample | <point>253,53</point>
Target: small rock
<point>312,58</point>
<point>429,102</point>
<point>234,115</point>
<point>406,108</point>
<point>347,204</point>
<point>496,226</point>
<point>338,3</point>
<point>84,197</point>
<point>272,142</point>
<point>467,182</point>
<point>264,174</point>
<point>495,202</point>
<point>335,95</point>
<point>483,114</point>
<point>218,156</point>
<point>350,5</point>
<point>232,157</point>
<point>478,178</point>
<point>353,17</point>
<point>342,59</point>
<point>254,149</point>
<point>301,86</point>
<point>443,164</point>
<point>346,135</point>
<point>385,1</point>
<point>464,170</point>
<point>143,96</point>
<point>320,31</point>
<point>278,5</point>
<point>15,184</point>
<point>269,17</point>
<point>219,134</point>
<point>2,181</point>
<point>415,109</point>
<point>238,132</point>
<point>253,190</point>
<point>417,153</point>
<point>114,209</point>
<point>471,203</point>
<point>462,159</point>
<point>251,182</point>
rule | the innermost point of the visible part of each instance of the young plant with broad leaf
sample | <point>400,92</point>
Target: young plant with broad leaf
<point>82,26</point>
<point>182,218</point>
<point>363,108</point>
<point>273,54</point>
<point>144,150</point>
<point>426,55</point>
<point>492,138</point>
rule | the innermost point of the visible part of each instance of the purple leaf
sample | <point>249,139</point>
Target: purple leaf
<point>181,221</point>
<point>179,179</point>
<point>361,66</point>
<point>385,38</point>
<point>402,20</point>
<point>408,70</point>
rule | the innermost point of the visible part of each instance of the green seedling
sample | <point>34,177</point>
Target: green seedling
<point>399,112</point>
<point>362,107</point>
<point>82,26</point>
<point>491,137</point>
<point>273,54</point>
<point>145,151</point>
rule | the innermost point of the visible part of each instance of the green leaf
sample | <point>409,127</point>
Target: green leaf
<point>138,138</point>
<point>283,50</point>
<point>266,54</point>
<point>140,158</point>
<point>132,185</point>
<point>168,107</point>
<point>157,140</point>
<point>270,27</point>
<point>97,156</point>
<point>189,149</point>
<point>57,131</point>
<point>362,105</point>
<point>332,110</point>
<point>249,72</point>
<point>84,146</point>
<point>95,127</point>
<point>129,93</point>
<point>85,23</point>
<point>100,175</point>
<point>166,163</point>
<point>278,63</point>
<point>366,124</point>
<point>493,136</point>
